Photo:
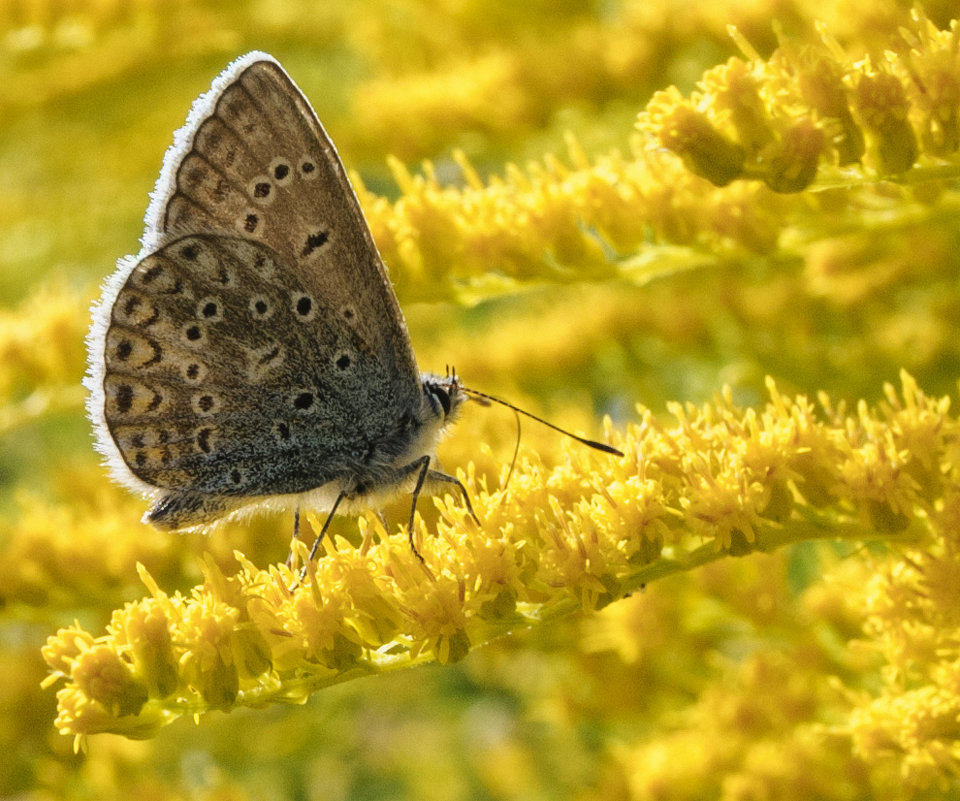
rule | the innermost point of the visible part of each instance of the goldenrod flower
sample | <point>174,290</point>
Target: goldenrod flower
<point>591,530</point>
<point>725,279</point>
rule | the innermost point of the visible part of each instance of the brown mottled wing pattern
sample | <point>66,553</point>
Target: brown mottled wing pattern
<point>255,346</point>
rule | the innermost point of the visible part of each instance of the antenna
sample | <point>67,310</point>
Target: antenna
<point>483,396</point>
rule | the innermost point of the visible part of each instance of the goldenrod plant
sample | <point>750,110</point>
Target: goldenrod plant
<point>723,240</point>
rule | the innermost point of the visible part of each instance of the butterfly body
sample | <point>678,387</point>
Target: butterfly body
<point>253,352</point>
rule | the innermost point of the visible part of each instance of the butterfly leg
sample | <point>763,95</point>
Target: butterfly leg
<point>423,466</point>
<point>319,539</point>
<point>436,475</point>
<point>296,536</point>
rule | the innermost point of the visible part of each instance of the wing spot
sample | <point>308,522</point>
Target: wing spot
<point>260,307</point>
<point>195,372</point>
<point>343,361</point>
<point>203,439</point>
<point>190,252</point>
<point>250,223</point>
<point>124,398</point>
<point>131,305</point>
<point>157,354</point>
<point>303,401</point>
<point>205,404</point>
<point>307,169</point>
<point>209,309</point>
<point>270,355</point>
<point>315,241</point>
<point>283,431</point>
<point>304,307</point>
<point>152,273</point>
<point>193,333</point>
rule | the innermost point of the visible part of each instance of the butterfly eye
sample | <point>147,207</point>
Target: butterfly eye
<point>442,396</point>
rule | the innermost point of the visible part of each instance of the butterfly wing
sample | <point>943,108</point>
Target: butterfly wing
<point>255,346</point>
<point>253,159</point>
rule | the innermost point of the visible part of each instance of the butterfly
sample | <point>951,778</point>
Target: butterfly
<point>253,352</point>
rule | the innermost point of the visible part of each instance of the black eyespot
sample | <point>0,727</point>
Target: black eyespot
<point>303,401</point>
<point>307,167</point>
<point>137,441</point>
<point>283,431</point>
<point>235,476</point>
<point>261,189</point>
<point>250,223</point>
<point>193,371</point>
<point>343,362</point>
<point>194,333</point>
<point>190,252</point>
<point>203,439</point>
<point>153,273</point>
<point>281,171</point>
<point>259,307</point>
<point>209,309</point>
<point>314,241</point>
<point>206,403</point>
<point>124,398</point>
<point>124,349</point>
<point>269,355</point>
<point>304,305</point>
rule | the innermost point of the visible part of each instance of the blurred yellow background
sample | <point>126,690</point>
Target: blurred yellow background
<point>699,687</point>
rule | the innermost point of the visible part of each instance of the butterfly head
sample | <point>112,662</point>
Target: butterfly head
<point>443,396</point>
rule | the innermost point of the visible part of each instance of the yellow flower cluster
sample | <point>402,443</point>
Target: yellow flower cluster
<point>593,529</point>
<point>795,216</point>
<point>781,119</point>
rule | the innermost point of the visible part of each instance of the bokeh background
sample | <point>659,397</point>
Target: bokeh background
<point>647,699</point>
